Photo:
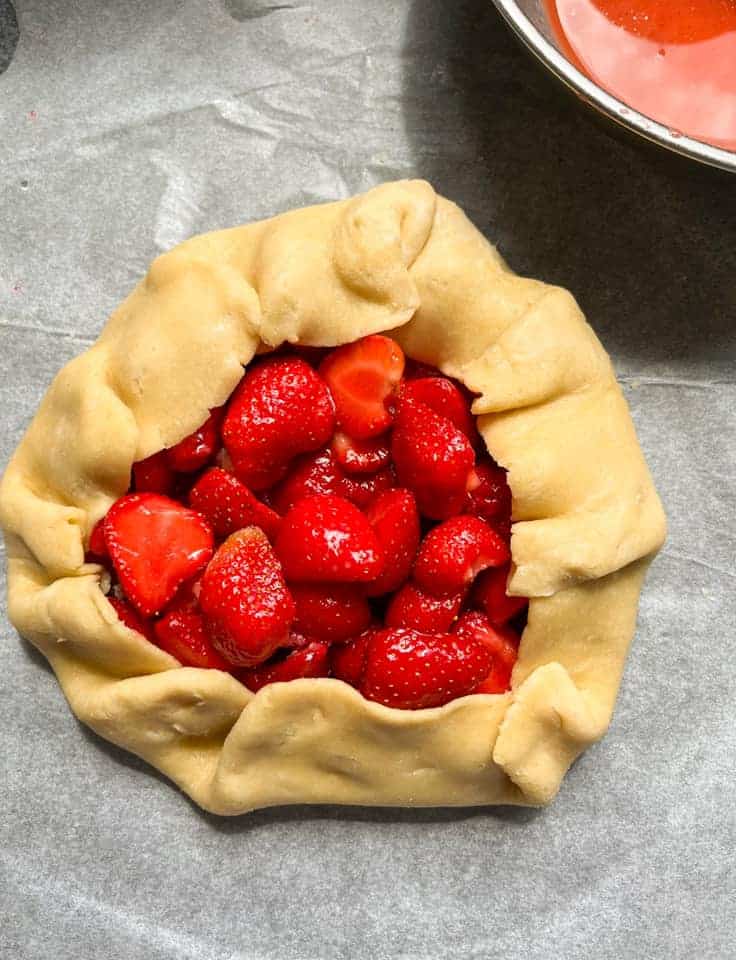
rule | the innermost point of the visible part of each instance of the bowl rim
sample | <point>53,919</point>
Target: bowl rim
<point>615,109</point>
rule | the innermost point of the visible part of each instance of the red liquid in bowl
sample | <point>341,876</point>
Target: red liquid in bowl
<point>670,60</point>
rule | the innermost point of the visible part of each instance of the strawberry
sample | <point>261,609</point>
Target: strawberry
<point>128,616</point>
<point>348,659</point>
<point>182,633</point>
<point>360,456</point>
<point>309,661</point>
<point>281,408</point>
<point>432,457</point>
<point>228,505</point>
<point>153,475</point>
<point>412,670</point>
<point>413,608</point>
<point>489,593</point>
<point>155,544</point>
<point>489,495</point>
<point>362,490</point>
<point>96,547</point>
<point>330,612</point>
<point>246,605</point>
<point>326,538</point>
<point>394,517</point>
<point>446,399</point>
<point>501,642</point>
<point>455,551</point>
<point>362,377</point>
<point>309,475</point>
<point>196,450</point>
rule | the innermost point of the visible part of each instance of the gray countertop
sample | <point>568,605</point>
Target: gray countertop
<point>127,127</point>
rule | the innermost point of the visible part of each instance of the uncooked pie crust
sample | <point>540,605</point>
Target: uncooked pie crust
<point>587,517</point>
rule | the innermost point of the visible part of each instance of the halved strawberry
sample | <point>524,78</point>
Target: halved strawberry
<point>412,670</point>
<point>153,475</point>
<point>246,604</point>
<point>128,616</point>
<point>348,659</point>
<point>182,633</point>
<point>309,475</point>
<point>360,456</point>
<point>196,450</point>
<point>96,547</point>
<point>305,662</point>
<point>489,494</point>
<point>155,544</point>
<point>455,551</point>
<point>432,457</point>
<point>228,505</point>
<point>281,408</point>
<point>327,538</point>
<point>415,609</point>
<point>394,517</point>
<point>362,490</point>
<point>362,377</point>
<point>502,643</point>
<point>330,612</point>
<point>489,593</point>
<point>446,399</point>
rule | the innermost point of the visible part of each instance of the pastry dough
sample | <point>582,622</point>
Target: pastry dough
<point>587,517</point>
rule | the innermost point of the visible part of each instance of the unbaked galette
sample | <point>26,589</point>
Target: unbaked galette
<point>337,509</point>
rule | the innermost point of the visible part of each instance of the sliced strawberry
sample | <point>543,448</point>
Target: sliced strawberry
<point>155,544</point>
<point>362,490</point>
<point>228,505</point>
<point>433,458</point>
<point>360,456</point>
<point>280,409</point>
<point>413,608</point>
<point>309,475</point>
<point>394,517</point>
<point>310,661</point>
<point>330,612</point>
<point>348,659</point>
<point>97,548</point>
<point>246,604</point>
<point>489,593</point>
<point>325,538</point>
<point>489,495</point>
<point>196,450</point>
<point>412,670</point>
<point>153,475</point>
<point>455,551</point>
<point>128,616</point>
<point>446,399</point>
<point>182,633</point>
<point>362,377</point>
<point>501,642</point>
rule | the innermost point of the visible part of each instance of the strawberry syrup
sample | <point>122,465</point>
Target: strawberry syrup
<point>674,62</point>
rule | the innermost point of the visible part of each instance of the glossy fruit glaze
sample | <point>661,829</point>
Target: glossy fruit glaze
<point>674,62</point>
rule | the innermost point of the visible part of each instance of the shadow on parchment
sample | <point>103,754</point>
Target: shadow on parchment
<point>647,246</point>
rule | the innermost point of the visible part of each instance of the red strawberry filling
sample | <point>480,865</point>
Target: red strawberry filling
<point>336,522</point>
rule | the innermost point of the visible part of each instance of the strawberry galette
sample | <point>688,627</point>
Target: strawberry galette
<point>337,509</point>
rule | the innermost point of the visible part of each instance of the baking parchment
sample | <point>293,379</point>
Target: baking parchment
<point>126,127</point>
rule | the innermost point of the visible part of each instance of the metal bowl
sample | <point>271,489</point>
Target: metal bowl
<point>529,22</point>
